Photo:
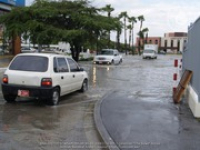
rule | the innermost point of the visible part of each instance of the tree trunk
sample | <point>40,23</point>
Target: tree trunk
<point>72,51</point>
<point>78,49</point>
<point>118,40</point>
<point>16,45</point>
<point>130,39</point>
<point>109,39</point>
<point>125,38</point>
<point>139,44</point>
<point>75,50</point>
<point>133,46</point>
<point>39,48</point>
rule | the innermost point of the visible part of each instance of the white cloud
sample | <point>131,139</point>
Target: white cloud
<point>162,16</point>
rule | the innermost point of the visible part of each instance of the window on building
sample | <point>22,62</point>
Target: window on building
<point>165,43</point>
<point>178,45</point>
<point>172,43</point>
<point>156,41</point>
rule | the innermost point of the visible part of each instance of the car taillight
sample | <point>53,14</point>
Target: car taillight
<point>46,82</point>
<point>5,79</point>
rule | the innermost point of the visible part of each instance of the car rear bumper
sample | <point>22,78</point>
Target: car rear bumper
<point>34,92</point>
<point>149,56</point>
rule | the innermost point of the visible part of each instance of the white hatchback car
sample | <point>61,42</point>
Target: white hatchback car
<point>109,56</point>
<point>42,76</point>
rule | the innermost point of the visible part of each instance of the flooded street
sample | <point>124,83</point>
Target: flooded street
<point>26,125</point>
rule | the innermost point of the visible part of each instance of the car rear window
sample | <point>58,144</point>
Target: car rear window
<point>30,63</point>
<point>148,51</point>
<point>107,52</point>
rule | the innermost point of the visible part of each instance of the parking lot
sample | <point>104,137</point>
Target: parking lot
<point>27,125</point>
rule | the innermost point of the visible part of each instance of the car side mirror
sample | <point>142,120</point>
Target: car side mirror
<point>81,69</point>
<point>55,69</point>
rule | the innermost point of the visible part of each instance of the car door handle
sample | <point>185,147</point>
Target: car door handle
<point>73,76</point>
<point>62,77</point>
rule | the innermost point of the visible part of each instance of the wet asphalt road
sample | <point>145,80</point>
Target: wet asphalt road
<point>70,125</point>
<point>144,116</point>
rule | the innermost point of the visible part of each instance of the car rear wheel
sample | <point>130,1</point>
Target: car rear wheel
<point>10,98</point>
<point>84,86</point>
<point>112,62</point>
<point>55,97</point>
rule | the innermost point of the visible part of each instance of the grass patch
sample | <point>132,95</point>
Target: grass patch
<point>86,59</point>
<point>6,56</point>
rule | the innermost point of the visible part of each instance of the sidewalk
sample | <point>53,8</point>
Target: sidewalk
<point>146,125</point>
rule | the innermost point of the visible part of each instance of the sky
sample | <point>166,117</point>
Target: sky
<point>161,16</point>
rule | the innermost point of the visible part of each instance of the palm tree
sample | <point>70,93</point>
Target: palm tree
<point>146,30</point>
<point>108,9</point>
<point>132,20</point>
<point>141,19</point>
<point>141,36</point>
<point>124,15</point>
<point>130,30</point>
<point>119,31</point>
<point>141,33</point>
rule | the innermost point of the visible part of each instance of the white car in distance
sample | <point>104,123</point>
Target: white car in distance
<point>28,50</point>
<point>108,56</point>
<point>43,77</point>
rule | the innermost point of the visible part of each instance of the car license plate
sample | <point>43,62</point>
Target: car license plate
<point>23,93</point>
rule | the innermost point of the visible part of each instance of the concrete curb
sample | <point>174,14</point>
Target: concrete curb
<point>100,126</point>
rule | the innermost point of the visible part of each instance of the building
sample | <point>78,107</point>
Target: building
<point>174,41</point>
<point>191,61</point>
<point>148,40</point>
<point>5,7</point>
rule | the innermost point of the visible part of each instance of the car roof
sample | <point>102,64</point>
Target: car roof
<point>42,54</point>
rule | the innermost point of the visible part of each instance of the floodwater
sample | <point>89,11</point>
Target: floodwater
<point>26,125</point>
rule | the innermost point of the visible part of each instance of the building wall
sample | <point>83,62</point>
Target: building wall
<point>191,55</point>
<point>175,34</point>
<point>174,41</point>
<point>5,7</point>
<point>13,2</point>
<point>149,40</point>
